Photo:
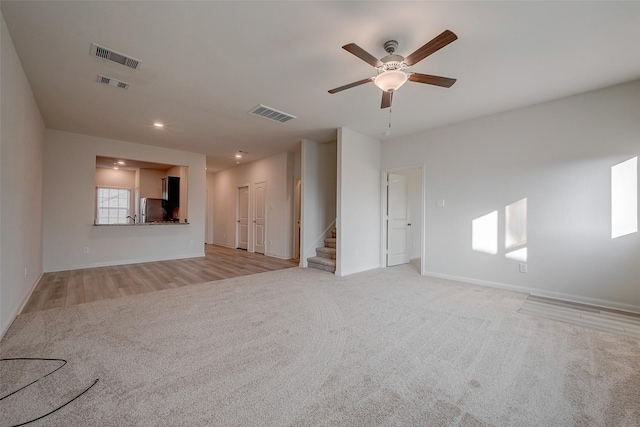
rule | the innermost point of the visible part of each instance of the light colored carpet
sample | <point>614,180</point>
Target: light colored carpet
<point>303,347</point>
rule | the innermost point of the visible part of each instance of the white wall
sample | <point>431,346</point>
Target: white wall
<point>277,171</point>
<point>318,210</point>
<point>359,180</point>
<point>69,173</point>
<point>559,156</point>
<point>21,157</point>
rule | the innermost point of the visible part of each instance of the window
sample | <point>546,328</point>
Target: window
<point>113,205</point>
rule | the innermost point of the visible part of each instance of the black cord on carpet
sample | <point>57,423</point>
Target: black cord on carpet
<point>64,362</point>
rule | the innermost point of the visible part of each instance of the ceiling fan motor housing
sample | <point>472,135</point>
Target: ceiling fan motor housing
<point>391,46</point>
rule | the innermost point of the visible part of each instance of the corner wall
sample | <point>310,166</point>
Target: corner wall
<point>318,164</point>
<point>21,158</point>
<point>359,228</point>
<point>559,156</point>
<point>69,198</point>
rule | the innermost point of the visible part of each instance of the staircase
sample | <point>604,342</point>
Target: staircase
<point>325,258</point>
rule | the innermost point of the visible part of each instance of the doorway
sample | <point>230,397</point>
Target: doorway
<point>242,221</point>
<point>403,210</point>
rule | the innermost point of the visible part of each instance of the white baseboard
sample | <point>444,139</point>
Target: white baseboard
<point>127,261</point>
<point>541,292</point>
<point>21,306</point>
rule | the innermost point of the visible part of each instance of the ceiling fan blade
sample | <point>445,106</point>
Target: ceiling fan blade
<point>431,80</point>
<point>434,45</point>
<point>350,85</point>
<point>362,54</point>
<point>386,99</point>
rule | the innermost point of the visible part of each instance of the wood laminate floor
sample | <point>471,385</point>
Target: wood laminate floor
<point>66,288</point>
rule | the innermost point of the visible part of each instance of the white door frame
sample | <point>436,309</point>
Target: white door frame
<point>297,218</point>
<point>383,213</point>
<point>238,189</point>
<point>255,216</point>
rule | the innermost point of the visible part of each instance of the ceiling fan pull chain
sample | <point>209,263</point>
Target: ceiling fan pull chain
<point>390,110</point>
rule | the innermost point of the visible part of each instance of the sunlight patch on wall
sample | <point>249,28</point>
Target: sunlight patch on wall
<point>624,198</point>
<point>516,224</point>
<point>484,233</point>
<point>518,255</point>
<point>515,230</point>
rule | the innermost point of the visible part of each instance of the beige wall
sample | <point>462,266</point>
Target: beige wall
<point>21,158</point>
<point>69,173</point>
<point>151,183</point>
<point>277,171</point>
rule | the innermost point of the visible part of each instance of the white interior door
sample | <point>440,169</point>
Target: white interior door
<point>259,223</point>
<point>243,218</point>
<point>399,222</point>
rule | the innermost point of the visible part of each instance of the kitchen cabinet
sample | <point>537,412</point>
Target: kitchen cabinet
<point>171,197</point>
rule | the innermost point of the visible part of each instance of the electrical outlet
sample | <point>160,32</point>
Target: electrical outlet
<point>26,272</point>
<point>85,249</point>
<point>523,268</point>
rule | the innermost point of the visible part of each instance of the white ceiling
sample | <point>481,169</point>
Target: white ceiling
<point>206,64</point>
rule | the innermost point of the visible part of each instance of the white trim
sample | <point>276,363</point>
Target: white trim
<point>130,261</point>
<point>17,312</point>
<point>540,292</point>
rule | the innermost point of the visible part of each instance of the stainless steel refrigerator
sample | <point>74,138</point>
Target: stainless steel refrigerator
<point>152,210</point>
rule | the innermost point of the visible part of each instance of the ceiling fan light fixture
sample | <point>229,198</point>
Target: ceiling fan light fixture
<point>390,80</point>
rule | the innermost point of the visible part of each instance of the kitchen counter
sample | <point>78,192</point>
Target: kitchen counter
<point>143,224</point>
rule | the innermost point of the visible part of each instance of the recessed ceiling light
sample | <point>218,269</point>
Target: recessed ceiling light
<point>116,168</point>
<point>121,163</point>
<point>158,125</point>
<point>238,156</point>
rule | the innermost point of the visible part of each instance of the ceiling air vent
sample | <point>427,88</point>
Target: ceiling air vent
<point>113,56</point>
<point>271,114</point>
<point>112,82</point>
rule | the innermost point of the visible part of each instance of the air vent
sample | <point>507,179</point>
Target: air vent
<point>271,114</point>
<point>113,56</point>
<point>112,82</point>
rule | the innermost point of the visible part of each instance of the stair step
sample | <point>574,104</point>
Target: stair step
<point>322,264</point>
<point>329,253</point>
<point>330,242</point>
<point>333,233</point>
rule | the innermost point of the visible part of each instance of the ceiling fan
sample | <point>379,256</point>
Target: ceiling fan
<point>392,69</point>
